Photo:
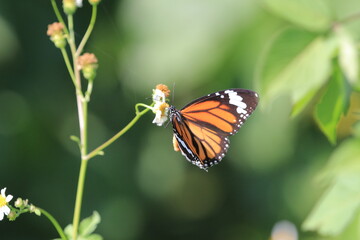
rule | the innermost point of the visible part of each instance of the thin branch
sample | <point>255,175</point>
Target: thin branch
<point>116,136</point>
<point>55,223</point>
<point>58,15</point>
<point>88,31</point>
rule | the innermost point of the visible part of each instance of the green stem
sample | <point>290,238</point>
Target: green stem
<point>72,44</point>
<point>68,65</point>
<point>88,31</point>
<point>89,90</point>
<point>82,111</point>
<point>142,105</point>
<point>79,195</point>
<point>71,37</point>
<point>82,114</point>
<point>54,222</point>
<point>116,136</point>
<point>84,136</point>
<point>58,15</point>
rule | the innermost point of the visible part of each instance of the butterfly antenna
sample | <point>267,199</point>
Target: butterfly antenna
<point>173,94</point>
<point>167,124</point>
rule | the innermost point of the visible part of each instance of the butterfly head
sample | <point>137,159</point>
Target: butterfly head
<point>173,112</point>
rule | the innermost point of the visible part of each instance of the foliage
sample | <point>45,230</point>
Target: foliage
<point>86,228</point>
<point>315,60</point>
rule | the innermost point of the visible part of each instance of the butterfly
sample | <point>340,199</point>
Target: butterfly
<point>202,128</point>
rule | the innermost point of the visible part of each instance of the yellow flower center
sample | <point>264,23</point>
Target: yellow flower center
<point>2,201</point>
<point>163,107</point>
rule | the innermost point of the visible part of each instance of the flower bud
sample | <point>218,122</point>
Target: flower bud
<point>57,35</point>
<point>19,203</point>
<point>34,209</point>
<point>37,212</point>
<point>25,202</point>
<point>164,89</point>
<point>94,2</point>
<point>69,7</point>
<point>88,63</point>
<point>11,216</point>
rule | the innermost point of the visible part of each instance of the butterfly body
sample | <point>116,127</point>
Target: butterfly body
<point>202,128</point>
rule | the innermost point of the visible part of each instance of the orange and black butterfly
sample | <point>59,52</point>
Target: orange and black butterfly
<point>202,128</point>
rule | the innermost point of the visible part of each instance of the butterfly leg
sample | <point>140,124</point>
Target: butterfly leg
<point>175,144</point>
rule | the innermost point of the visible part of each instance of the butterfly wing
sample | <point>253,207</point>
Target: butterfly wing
<point>201,128</point>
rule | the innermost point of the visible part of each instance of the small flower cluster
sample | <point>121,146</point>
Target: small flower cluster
<point>160,108</point>
<point>88,63</point>
<point>20,206</point>
<point>70,6</point>
<point>57,35</point>
<point>61,35</point>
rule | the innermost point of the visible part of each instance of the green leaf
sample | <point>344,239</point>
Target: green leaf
<point>345,160</point>
<point>348,55</point>
<point>331,106</point>
<point>340,202</point>
<point>302,103</point>
<point>336,207</point>
<point>89,224</point>
<point>356,129</point>
<point>309,14</point>
<point>90,237</point>
<point>351,231</point>
<point>68,230</point>
<point>94,237</point>
<point>283,47</point>
<point>298,74</point>
<point>75,139</point>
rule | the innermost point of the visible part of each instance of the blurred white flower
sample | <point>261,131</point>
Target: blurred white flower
<point>4,209</point>
<point>161,113</point>
<point>158,96</point>
<point>284,230</point>
<point>160,107</point>
<point>79,3</point>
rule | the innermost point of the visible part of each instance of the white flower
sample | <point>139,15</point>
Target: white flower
<point>160,107</point>
<point>161,113</point>
<point>158,96</point>
<point>4,209</point>
<point>79,3</point>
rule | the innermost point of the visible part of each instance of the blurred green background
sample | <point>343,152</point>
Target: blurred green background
<point>141,187</point>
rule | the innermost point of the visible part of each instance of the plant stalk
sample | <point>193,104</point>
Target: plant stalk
<point>54,222</point>
<point>82,115</point>
<point>88,31</point>
<point>116,136</point>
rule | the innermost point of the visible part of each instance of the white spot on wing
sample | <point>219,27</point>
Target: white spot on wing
<point>237,100</point>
